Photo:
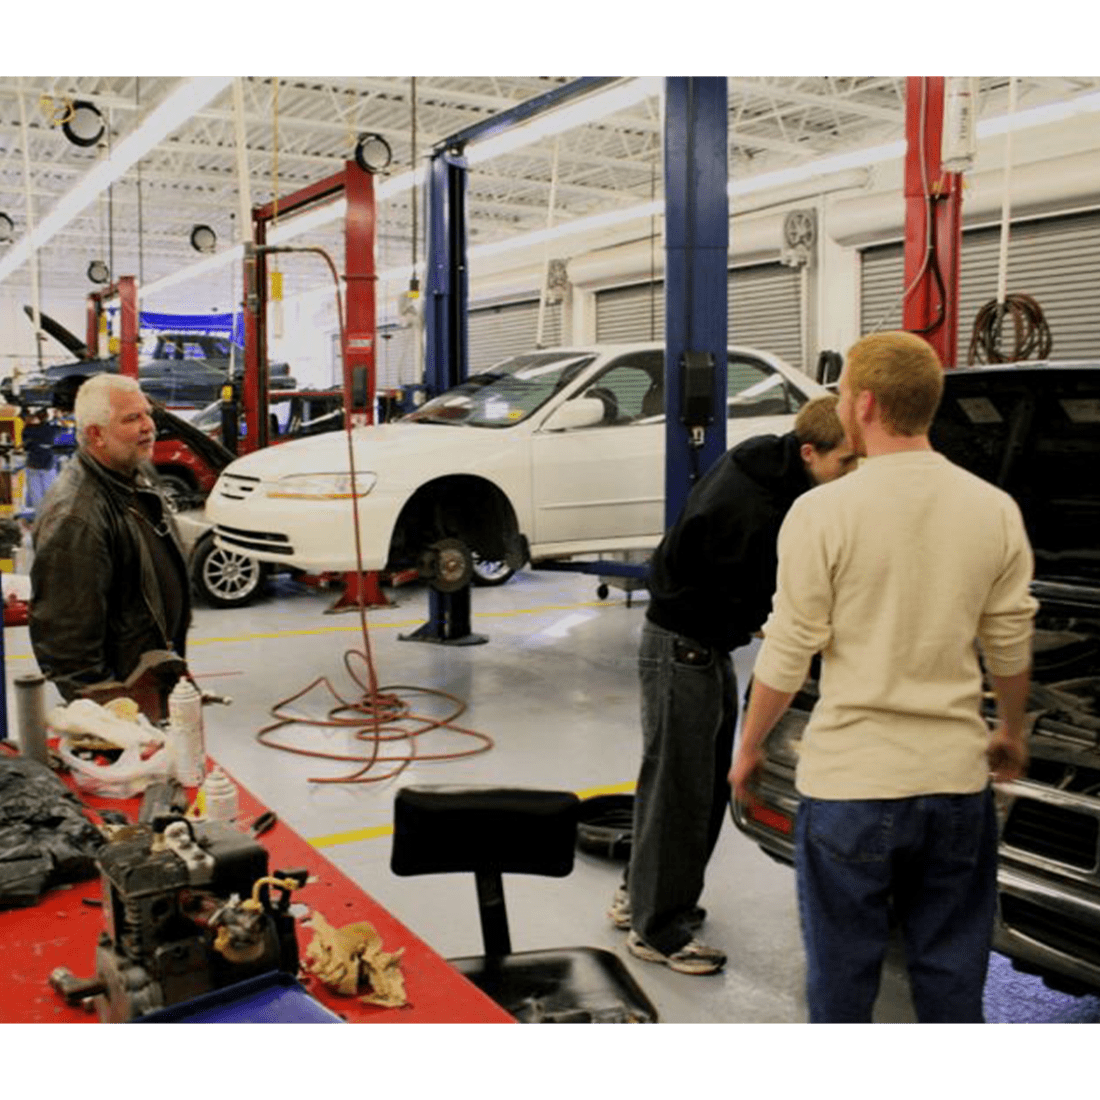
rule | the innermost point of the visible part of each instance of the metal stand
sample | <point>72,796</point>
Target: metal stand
<point>448,620</point>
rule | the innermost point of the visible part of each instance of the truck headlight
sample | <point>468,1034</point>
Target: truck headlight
<point>321,486</point>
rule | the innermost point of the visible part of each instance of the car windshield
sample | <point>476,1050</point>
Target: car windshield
<point>506,393</point>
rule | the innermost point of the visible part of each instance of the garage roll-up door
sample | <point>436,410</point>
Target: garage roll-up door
<point>495,332</point>
<point>763,311</point>
<point>1055,260</point>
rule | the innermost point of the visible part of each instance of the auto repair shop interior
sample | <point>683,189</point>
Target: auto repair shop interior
<point>497,295</point>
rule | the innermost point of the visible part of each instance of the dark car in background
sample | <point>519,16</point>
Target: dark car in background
<point>1034,430</point>
<point>183,369</point>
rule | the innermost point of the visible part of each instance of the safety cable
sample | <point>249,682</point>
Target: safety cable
<point>380,716</point>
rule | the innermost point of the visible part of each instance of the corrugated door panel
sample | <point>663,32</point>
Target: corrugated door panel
<point>496,332</point>
<point>396,362</point>
<point>630,314</point>
<point>763,311</point>
<point>1055,260</point>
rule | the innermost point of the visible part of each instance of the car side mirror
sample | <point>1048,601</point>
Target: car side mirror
<point>581,412</point>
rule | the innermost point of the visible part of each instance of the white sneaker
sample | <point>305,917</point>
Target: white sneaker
<point>619,913</point>
<point>693,958</point>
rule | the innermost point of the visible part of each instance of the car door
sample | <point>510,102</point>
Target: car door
<point>605,481</point>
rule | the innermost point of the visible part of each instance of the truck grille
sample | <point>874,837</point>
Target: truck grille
<point>236,487</point>
<point>1049,927</point>
<point>267,541</point>
<point>1053,832</point>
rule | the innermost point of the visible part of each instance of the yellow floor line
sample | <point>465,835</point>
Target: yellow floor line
<point>373,832</point>
<point>353,628</point>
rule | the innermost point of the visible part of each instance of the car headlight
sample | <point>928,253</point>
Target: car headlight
<point>321,486</point>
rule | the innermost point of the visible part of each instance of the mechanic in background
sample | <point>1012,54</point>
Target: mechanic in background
<point>711,582</point>
<point>892,575</point>
<point>110,597</point>
<point>39,431</point>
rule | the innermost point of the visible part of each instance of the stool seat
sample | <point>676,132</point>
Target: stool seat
<point>490,831</point>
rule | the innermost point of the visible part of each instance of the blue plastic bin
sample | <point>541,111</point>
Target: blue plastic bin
<point>272,998</point>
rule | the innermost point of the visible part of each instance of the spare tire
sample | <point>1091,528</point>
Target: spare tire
<point>605,826</point>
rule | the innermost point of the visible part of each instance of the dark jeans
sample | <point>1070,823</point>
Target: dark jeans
<point>933,860</point>
<point>689,713</point>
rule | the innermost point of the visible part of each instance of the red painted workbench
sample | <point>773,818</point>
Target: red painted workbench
<point>62,929</point>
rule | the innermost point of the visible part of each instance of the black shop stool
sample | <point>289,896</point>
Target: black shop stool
<point>490,831</point>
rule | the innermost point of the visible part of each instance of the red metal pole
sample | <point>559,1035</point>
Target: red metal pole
<point>933,222</point>
<point>359,351</point>
<point>128,326</point>
<point>253,389</point>
<point>92,325</point>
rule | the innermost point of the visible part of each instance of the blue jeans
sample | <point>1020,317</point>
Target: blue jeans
<point>689,713</point>
<point>931,861</point>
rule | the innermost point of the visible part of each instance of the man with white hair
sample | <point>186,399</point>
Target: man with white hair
<point>110,599</point>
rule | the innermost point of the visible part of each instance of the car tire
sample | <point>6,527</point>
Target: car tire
<point>176,489</point>
<point>490,574</point>
<point>225,578</point>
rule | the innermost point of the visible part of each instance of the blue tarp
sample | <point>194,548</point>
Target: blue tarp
<point>227,324</point>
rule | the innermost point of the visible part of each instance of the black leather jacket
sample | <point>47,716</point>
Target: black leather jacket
<point>96,602</point>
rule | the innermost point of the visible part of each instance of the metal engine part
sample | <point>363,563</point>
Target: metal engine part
<point>188,908</point>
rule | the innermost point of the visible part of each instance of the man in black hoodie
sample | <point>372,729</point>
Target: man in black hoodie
<point>711,584</point>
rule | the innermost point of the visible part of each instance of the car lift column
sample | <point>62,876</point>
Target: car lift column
<point>446,352</point>
<point>696,282</point>
<point>126,291</point>
<point>933,222</point>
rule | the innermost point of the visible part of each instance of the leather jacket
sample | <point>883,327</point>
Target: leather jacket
<point>96,605</point>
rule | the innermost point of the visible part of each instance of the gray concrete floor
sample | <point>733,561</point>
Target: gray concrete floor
<point>554,687</point>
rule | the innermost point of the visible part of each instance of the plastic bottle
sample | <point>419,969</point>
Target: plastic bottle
<point>220,795</point>
<point>188,739</point>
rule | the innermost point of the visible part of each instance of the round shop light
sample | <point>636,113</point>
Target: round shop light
<point>203,238</point>
<point>7,229</point>
<point>372,153</point>
<point>98,271</point>
<point>84,126</point>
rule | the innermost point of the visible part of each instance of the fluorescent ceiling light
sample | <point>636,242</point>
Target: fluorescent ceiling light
<point>184,101</point>
<point>589,109</point>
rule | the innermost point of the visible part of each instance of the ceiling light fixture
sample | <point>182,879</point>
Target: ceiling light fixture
<point>98,272</point>
<point>373,153</point>
<point>185,100</point>
<point>7,228</point>
<point>203,238</point>
<point>83,124</point>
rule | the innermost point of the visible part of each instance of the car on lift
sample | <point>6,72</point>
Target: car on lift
<point>1034,430</point>
<point>549,455</point>
<point>183,369</point>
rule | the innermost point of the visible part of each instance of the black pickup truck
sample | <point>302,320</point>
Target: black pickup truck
<point>1034,430</point>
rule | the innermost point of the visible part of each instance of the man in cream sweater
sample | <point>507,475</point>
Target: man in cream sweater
<point>897,575</point>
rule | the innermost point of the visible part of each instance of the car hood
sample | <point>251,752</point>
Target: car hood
<point>1034,430</point>
<point>417,448</point>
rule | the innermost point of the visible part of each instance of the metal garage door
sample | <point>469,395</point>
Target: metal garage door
<point>1055,260</point>
<point>763,311</point>
<point>496,332</point>
<point>397,362</point>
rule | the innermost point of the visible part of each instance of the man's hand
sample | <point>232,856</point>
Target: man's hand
<point>746,767</point>
<point>1007,756</point>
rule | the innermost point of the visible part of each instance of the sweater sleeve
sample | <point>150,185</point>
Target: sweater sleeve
<point>1006,625</point>
<point>800,624</point>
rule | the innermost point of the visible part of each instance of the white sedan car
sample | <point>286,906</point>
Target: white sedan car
<point>548,455</point>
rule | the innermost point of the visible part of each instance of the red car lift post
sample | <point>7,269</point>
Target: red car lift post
<point>126,291</point>
<point>933,222</point>
<point>357,185</point>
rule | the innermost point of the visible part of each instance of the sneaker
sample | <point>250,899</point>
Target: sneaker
<point>619,913</point>
<point>693,958</point>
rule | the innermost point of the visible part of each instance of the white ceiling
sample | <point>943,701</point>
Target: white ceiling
<point>301,129</point>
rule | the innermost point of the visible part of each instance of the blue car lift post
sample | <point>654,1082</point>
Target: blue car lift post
<point>446,348</point>
<point>696,281</point>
